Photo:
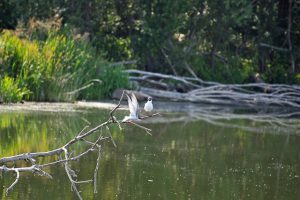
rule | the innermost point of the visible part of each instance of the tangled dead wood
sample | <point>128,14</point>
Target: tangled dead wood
<point>190,89</point>
<point>260,119</point>
<point>64,155</point>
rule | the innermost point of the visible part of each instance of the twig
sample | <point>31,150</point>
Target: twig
<point>128,62</point>
<point>96,169</point>
<point>112,118</point>
<point>273,47</point>
<point>15,182</point>
<point>148,116</point>
<point>71,173</point>
<point>92,82</point>
<point>112,140</point>
<point>84,128</point>
<point>188,67</point>
<point>169,61</point>
<point>140,126</point>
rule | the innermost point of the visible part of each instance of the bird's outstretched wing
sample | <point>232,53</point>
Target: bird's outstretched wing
<point>135,104</point>
<point>130,105</point>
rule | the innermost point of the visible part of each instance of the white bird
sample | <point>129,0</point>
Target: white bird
<point>148,106</point>
<point>133,108</point>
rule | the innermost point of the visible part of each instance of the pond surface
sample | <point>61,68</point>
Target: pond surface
<point>182,159</point>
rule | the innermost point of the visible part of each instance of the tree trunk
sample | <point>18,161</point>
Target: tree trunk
<point>282,18</point>
<point>289,37</point>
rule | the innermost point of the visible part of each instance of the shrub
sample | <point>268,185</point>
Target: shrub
<point>113,77</point>
<point>278,73</point>
<point>10,90</point>
<point>55,69</point>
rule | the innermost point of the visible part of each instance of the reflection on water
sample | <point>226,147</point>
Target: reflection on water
<point>194,160</point>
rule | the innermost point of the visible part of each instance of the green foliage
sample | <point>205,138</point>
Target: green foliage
<point>10,90</point>
<point>213,37</point>
<point>298,78</point>
<point>53,70</point>
<point>247,69</point>
<point>112,77</point>
<point>278,74</point>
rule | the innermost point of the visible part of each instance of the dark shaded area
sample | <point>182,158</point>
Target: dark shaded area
<point>8,20</point>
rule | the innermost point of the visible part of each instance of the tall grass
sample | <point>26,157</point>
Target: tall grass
<point>55,69</point>
<point>10,91</point>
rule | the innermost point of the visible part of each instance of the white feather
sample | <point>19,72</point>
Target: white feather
<point>148,106</point>
<point>135,104</point>
<point>133,109</point>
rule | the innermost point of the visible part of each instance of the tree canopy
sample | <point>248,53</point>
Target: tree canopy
<point>226,41</point>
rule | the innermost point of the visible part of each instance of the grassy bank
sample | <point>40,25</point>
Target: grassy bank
<point>55,69</point>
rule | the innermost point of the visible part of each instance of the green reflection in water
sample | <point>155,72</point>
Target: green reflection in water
<point>180,161</point>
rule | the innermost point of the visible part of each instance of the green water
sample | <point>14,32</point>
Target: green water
<point>190,160</point>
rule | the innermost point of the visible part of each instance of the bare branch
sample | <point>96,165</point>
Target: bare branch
<point>112,140</point>
<point>97,169</point>
<point>70,173</point>
<point>65,150</point>
<point>188,67</point>
<point>111,114</point>
<point>140,126</point>
<point>129,62</point>
<point>15,182</point>
<point>273,47</point>
<point>164,76</point>
<point>169,61</point>
<point>201,91</point>
<point>92,82</point>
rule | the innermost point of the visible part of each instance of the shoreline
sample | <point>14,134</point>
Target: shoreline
<point>56,106</point>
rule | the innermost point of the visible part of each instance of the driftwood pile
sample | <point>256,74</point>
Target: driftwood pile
<point>175,88</point>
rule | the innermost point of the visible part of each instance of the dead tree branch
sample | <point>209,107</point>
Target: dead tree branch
<point>197,90</point>
<point>64,152</point>
<point>273,47</point>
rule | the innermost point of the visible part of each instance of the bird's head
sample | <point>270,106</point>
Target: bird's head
<point>149,98</point>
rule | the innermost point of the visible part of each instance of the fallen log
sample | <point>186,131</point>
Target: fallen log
<point>161,86</point>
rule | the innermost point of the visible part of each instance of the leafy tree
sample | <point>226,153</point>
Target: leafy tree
<point>226,41</point>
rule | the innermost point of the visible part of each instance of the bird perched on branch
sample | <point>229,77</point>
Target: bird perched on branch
<point>133,108</point>
<point>148,106</point>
